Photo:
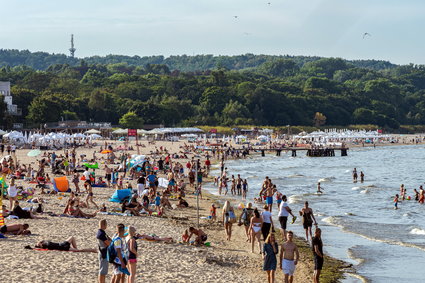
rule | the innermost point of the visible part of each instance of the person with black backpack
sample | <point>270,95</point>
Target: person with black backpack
<point>245,219</point>
<point>104,242</point>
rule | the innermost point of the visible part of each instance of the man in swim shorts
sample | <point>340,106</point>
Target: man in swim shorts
<point>269,192</point>
<point>317,247</point>
<point>289,257</point>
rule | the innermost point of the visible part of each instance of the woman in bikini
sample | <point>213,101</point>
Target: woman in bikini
<point>227,210</point>
<point>255,228</point>
<point>132,254</point>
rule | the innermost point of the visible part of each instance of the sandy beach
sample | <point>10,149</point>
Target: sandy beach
<point>158,262</point>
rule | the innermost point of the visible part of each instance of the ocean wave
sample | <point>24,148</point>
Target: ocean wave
<point>295,176</point>
<point>355,188</point>
<point>330,220</point>
<point>327,179</point>
<point>417,231</point>
<point>365,191</point>
<point>295,199</point>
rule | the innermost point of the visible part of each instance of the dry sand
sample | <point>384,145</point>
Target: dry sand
<point>158,262</point>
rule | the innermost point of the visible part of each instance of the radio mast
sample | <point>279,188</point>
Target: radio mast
<point>72,49</point>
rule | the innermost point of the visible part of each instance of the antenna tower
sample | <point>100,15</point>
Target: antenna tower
<point>72,49</point>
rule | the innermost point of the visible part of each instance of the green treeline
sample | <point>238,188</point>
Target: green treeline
<point>279,91</point>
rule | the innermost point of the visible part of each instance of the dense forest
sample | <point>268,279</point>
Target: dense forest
<point>183,63</point>
<point>272,91</point>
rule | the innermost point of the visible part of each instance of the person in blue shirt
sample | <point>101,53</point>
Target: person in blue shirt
<point>158,204</point>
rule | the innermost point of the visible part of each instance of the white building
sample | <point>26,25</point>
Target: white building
<point>12,109</point>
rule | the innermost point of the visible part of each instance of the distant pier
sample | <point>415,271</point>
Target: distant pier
<point>312,152</point>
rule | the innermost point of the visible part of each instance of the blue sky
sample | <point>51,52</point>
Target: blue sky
<point>331,28</point>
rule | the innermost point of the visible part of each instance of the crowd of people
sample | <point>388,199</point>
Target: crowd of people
<point>157,186</point>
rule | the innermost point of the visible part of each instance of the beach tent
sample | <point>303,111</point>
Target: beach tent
<point>92,131</point>
<point>61,184</point>
<point>95,136</point>
<point>120,195</point>
<point>120,132</point>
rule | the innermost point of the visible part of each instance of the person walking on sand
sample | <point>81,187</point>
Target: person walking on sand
<point>289,257</point>
<point>12,193</point>
<point>255,229</point>
<point>317,247</point>
<point>245,219</point>
<point>103,242</point>
<point>283,214</point>
<point>270,250</point>
<point>228,219</point>
<point>89,190</point>
<point>119,263</point>
<point>307,217</point>
<point>267,222</point>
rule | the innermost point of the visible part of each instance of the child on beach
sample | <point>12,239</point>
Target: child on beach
<point>213,212</point>
<point>396,202</point>
<point>185,236</point>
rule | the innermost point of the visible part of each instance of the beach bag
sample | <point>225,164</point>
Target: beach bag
<point>232,217</point>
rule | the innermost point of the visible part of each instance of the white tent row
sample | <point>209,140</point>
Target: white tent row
<point>342,134</point>
<point>125,132</point>
<point>46,139</point>
<point>162,131</point>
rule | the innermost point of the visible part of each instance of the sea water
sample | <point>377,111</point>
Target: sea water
<point>358,220</point>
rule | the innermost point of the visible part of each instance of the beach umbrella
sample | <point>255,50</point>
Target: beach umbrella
<point>34,153</point>
<point>92,131</point>
<point>106,151</point>
<point>95,136</point>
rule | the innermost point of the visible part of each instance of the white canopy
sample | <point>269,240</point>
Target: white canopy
<point>120,132</point>
<point>95,136</point>
<point>92,131</point>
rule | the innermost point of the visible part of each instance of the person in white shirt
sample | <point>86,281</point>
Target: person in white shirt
<point>86,175</point>
<point>267,222</point>
<point>284,212</point>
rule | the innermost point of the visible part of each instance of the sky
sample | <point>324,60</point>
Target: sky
<point>328,28</point>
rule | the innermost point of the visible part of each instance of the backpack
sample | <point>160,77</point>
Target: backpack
<point>232,217</point>
<point>111,253</point>
<point>244,215</point>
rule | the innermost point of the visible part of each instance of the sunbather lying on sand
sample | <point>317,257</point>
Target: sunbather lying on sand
<point>69,245</point>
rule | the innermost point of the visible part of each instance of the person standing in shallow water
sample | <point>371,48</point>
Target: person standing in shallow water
<point>317,247</point>
<point>307,217</point>
<point>355,175</point>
